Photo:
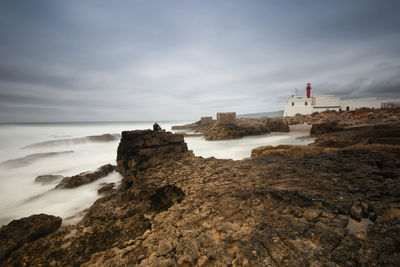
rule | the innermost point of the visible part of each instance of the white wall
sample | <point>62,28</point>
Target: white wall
<point>326,101</point>
<point>357,103</point>
<point>298,105</point>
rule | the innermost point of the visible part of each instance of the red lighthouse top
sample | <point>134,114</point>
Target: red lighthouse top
<point>308,90</point>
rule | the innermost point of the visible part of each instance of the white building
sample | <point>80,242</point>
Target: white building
<point>361,103</point>
<point>319,103</point>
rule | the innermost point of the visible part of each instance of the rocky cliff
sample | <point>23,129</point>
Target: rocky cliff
<point>285,206</point>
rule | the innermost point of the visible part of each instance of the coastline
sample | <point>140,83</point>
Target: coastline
<point>287,205</point>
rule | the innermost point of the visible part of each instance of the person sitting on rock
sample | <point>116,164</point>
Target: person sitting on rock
<point>156,127</point>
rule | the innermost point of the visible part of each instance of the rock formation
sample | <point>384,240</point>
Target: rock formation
<point>85,177</point>
<point>106,188</point>
<point>286,206</point>
<point>143,149</point>
<point>25,230</point>
<point>227,127</point>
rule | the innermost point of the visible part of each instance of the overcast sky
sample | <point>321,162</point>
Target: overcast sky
<point>161,60</point>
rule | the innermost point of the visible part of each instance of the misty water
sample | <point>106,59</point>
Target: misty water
<point>21,196</point>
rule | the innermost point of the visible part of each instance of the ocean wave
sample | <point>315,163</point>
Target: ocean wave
<point>75,141</point>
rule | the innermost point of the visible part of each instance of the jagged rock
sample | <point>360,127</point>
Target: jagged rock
<point>25,230</point>
<point>275,209</point>
<point>356,212</point>
<point>106,188</point>
<point>85,177</point>
<point>166,196</point>
<point>143,149</point>
<point>48,179</point>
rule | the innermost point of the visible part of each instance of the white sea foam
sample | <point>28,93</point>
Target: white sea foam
<point>20,196</point>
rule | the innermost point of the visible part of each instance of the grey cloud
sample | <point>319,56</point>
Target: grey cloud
<point>127,60</point>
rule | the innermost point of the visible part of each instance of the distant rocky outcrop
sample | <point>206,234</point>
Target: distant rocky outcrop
<point>75,141</point>
<point>360,117</point>
<point>25,230</point>
<point>143,149</point>
<point>27,160</point>
<point>85,177</point>
<point>238,128</point>
<point>227,127</point>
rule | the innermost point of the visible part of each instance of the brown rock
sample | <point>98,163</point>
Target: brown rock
<point>275,209</point>
<point>227,127</point>
<point>106,188</point>
<point>85,177</point>
<point>356,212</point>
<point>326,127</point>
<point>143,149</point>
<point>25,230</point>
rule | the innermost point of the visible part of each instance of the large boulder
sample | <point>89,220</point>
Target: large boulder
<point>142,149</point>
<point>28,229</point>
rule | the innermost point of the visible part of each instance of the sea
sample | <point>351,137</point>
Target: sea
<point>66,152</point>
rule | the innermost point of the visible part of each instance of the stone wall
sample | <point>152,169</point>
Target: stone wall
<point>205,121</point>
<point>226,116</point>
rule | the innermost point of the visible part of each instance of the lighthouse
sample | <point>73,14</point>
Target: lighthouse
<point>320,103</point>
<point>308,90</point>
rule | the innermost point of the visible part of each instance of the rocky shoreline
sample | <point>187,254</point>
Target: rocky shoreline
<point>335,202</point>
<point>237,128</point>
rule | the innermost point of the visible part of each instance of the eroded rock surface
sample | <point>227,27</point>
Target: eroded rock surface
<point>25,230</point>
<point>142,149</point>
<point>343,136</point>
<point>85,177</point>
<point>237,128</point>
<point>274,209</point>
